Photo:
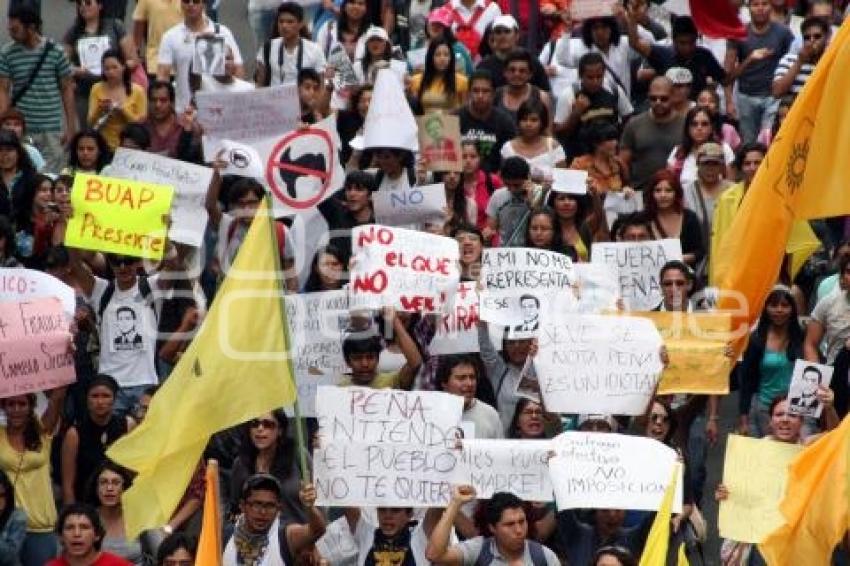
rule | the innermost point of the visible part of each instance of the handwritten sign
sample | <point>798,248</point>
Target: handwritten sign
<point>118,216</point>
<point>755,473</point>
<point>34,353</point>
<point>696,345</point>
<point>457,330</point>
<point>439,141</point>
<point>586,9</point>
<point>190,182</point>
<point>611,471</point>
<point>386,475</point>
<point>570,181</point>
<point>405,269</point>
<point>805,381</point>
<point>516,282</point>
<point>638,265</point>
<point>19,285</point>
<point>597,364</point>
<point>361,414</point>
<point>316,325</point>
<point>249,115</point>
<point>517,466</point>
<point>410,205</point>
<point>597,288</point>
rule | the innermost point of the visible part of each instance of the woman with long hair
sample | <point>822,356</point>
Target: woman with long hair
<point>106,486</point>
<point>88,152</point>
<point>710,98</point>
<point>701,126</point>
<point>768,363</point>
<point>35,223</point>
<point>543,232</point>
<point>265,447</point>
<point>478,185</point>
<point>13,523</point>
<point>575,218</point>
<point>439,26</point>
<point>115,101</point>
<point>529,421</point>
<point>327,271</point>
<point>664,206</point>
<point>542,152</point>
<point>25,443</point>
<point>16,174</point>
<point>439,87</point>
<point>605,171</point>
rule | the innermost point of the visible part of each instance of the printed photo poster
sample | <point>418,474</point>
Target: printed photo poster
<point>439,141</point>
<point>805,381</point>
<point>90,50</point>
<point>518,284</point>
<point>638,265</point>
<point>597,363</point>
<point>409,270</point>
<point>317,327</point>
<point>596,470</point>
<point>209,55</point>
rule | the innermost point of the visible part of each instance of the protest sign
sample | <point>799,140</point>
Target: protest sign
<point>638,265</point>
<point>517,466</point>
<point>439,141</point>
<point>20,285</point>
<point>118,216</point>
<point>755,473</point>
<point>457,330</point>
<point>248,115</point>
<point>380,416</point>
<point>409,270</point>
<point>586,9</point>
<point>317,322</point>
<point>805,381</point>
<point>386,475</point>
<point>190,182</point>
<point>597,364</point>
<point>597,470</point>
<point>90,50</point>
<point>517,281</point>
<point>410,205</point>
<point>208,56</point>
<point>34,351</point>
<point>596,289</point>
<point>570,181</point>
<point>697,345</point>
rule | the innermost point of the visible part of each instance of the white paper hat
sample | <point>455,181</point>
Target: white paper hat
<point>389,122</point>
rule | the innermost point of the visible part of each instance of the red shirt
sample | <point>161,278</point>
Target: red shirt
<point>105,559</point>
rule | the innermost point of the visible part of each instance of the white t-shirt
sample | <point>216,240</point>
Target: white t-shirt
<point>286,71</point>
<point>127,333</point>
<point>177,49</point>
<point>567,98</point>
<point>488,424</point>
<point>689,167</point>
<point>540,164</point>
<point>210,84</point>
<point>398,67</point>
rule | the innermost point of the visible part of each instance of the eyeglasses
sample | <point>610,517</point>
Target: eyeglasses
<point>262,506</point>
<point>265,423</point>
<point>813,36</point>
<point>658,418</point>
<point>674,283</point>
<point>659,98</point>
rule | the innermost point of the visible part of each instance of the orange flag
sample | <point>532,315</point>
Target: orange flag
<point>815,506</point>
<point>804,176</point>
<point>209,544</point>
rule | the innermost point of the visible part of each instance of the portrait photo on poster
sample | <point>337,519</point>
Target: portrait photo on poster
<point>805,381</point>
<point>209,57</point>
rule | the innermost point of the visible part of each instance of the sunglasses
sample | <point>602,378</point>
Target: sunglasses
<point>265,423</point>
<point>674,283</point>
<point>659,98</point>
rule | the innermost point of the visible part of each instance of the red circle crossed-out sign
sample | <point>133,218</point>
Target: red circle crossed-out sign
<point>273,165</point>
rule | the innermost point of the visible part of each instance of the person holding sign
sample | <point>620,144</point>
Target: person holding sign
<point>458,375</point>
<point>581,222</point>
<point>260,537</point>
<point>506,543</point>
<point>507,211</point>
<point>362,350</point>
<point>352,208</point>
<point>505,369</point>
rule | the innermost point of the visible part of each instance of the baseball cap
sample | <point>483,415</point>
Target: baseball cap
<point>679,75</point>
<point>376,32</point>
<point>710,152</point>
<point>505,21</point>
<point>442,16</point>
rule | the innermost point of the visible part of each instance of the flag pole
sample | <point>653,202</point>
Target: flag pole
<point>300,442</point>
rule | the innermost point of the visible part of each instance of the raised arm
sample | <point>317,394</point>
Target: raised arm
<point>300,536</point>
<point>80,272</point>
<point>438,549</point>
<point>408,347</point>
<point>642,45</point>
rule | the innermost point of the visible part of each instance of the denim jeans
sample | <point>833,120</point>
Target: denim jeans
<point>755,113</point>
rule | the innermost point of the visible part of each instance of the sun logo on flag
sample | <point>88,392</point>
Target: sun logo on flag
<point>797,165</point>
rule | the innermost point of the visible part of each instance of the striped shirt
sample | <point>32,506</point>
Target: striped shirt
<point>785,64</point>
<point>42,102</point>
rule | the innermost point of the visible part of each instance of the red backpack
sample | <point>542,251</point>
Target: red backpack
<point>465,31</point>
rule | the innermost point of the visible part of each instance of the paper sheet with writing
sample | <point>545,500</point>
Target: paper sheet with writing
<point>516,466</point>
<point>697,346</point>
<point>638,265</point>
<point>754,472</point>
<point>595,470</point>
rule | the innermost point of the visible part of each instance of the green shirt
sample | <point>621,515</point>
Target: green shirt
<point>776,370</point>
<point>42,102</point>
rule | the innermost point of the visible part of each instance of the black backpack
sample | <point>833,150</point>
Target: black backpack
<point>485,557</point>
<point>144,289</point>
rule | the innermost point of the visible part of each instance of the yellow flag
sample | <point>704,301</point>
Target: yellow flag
<point>235,369</point>
<point>655,551</point>
<point>209,544</point>
<point>815,506</point>
<point>804,176</point>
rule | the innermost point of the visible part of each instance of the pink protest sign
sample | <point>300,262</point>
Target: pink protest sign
<point>34,353</point>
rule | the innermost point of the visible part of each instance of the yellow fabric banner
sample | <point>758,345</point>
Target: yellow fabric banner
<point>119,216</point>
<point>697,348</point>
<point>755,473</point>
<point>209,543</point>
<point>658,540</point>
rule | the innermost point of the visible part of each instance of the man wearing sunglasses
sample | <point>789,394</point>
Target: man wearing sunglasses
<point>795,68</point>
<point>177,49</point>
<point>676,280</point>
